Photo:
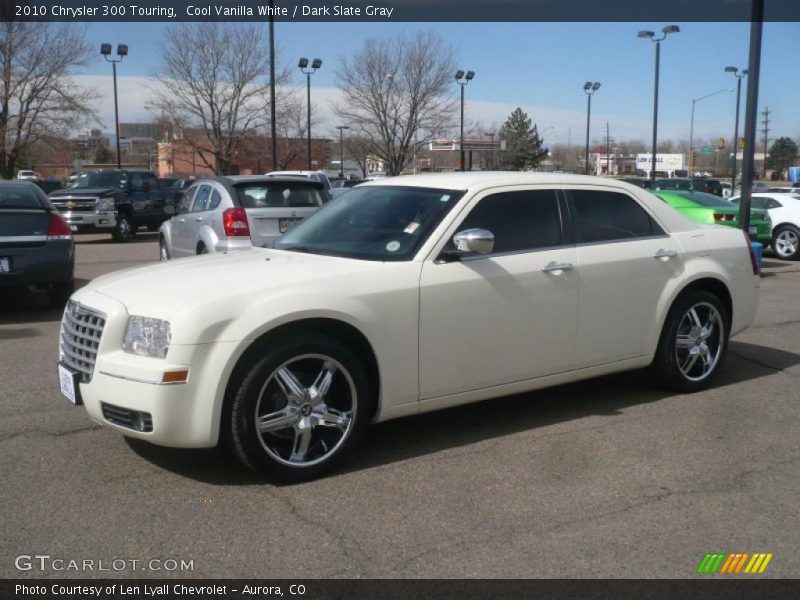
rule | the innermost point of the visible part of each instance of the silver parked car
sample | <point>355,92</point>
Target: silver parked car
<point>229,213</point>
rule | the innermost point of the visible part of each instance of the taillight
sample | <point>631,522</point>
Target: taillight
<point>753,261</point>
<point>234,221</point>
<point>59,229</point>
<point>720,218</point>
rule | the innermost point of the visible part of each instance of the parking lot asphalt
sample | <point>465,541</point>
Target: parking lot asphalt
<point>604,478</point>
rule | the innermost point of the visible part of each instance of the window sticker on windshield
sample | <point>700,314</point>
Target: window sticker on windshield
<point>393,246</point>
<point>411,227</point>
<point>444,198</point>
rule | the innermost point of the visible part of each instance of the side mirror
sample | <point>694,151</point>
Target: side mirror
<point>474,241</point>
<point>169,209</point>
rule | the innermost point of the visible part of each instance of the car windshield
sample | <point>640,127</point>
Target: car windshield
<point>101,179</point>
<point>384,223</point>
<point>18,196</point>
<point>277,195</point>
<point>673,184</point>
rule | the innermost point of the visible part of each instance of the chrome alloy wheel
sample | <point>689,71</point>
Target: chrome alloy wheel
<point>786,243</point>
<point>700,341</point>
<point>305,410</point>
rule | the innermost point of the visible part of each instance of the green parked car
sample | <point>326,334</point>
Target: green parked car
<point>710,208</point>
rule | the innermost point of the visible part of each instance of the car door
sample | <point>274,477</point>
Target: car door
<point>624,262</point>
<point>197,218</point>
<point>179,226</point>
<point>507,316</point>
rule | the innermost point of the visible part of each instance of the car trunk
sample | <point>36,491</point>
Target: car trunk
<point>23,228</point>
<point>268,223</point>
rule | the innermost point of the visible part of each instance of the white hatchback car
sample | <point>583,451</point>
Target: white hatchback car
<point>784,211</point>
<point>220,214</point>
<point>403,296</point>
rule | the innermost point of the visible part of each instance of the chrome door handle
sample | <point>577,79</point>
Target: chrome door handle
<point>665,254</point>
<point>198,219</point>
<point>181,220</point>
<point>557,266</point>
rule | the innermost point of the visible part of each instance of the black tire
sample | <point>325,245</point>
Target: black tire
<point>673,367</point>
<point>60,293</point>
<point>314,433</point>
<point>154,228</point>
<point>163,251</point>
<point>201,249</point>
<point>125,229</point>
<point>786,242</point>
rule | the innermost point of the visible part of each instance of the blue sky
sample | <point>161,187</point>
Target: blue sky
<point>542,67</point>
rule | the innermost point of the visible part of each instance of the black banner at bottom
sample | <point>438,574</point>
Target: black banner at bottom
<point>393,589</point>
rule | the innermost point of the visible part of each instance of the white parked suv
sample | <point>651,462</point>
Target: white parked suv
<point>784,211</point>
<point>403,296</point>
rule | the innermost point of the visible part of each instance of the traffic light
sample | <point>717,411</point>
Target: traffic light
<point>741,143</point>
<point>693,160</point>
<point>721,144</point>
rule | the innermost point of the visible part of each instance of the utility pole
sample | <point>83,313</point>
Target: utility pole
<point>608,149</point>
<point>765,114</point>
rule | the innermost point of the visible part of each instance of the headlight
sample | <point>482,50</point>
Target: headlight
<point>106,204</point>
<point>147,337</point>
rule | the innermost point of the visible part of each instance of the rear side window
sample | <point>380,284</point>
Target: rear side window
<point>215,199</point>
<point>601,216</point>
<point>522,220</point>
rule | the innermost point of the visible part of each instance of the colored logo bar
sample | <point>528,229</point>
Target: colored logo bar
<point>734,563</point>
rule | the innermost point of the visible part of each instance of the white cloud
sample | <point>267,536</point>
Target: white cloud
<point>557,125</point>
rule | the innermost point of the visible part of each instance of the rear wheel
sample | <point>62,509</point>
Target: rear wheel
<point>163,251</point>
<point>299,408</point>
<point>693,343</point>
<point>201,249</point>
<point>786,242</point>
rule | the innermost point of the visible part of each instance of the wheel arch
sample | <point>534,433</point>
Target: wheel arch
<point>343,332</point>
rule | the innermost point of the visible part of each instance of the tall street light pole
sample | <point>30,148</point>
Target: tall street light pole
<point>303,64</point>
<point>589,89</point>
<point>691,127</point>
<point>466,77</point>
<point>491,135</point>
<point>651,35</point>
<point>122,52</point>
<point>739,76</point>
<point>272,109</point>
<point>341,129</point>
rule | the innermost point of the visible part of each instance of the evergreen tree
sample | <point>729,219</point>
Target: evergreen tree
<point>523,145</point>
<point>782,154</point>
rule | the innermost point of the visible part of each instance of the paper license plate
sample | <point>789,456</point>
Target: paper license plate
<point>5,265</point>
<point>285,225</point>
<point>68,382</point>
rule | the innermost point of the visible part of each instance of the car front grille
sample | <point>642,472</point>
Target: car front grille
<point>75,204</point>
<point>81,330</point>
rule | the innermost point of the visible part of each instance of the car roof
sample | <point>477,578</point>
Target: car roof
<point>236,179</point>
<point>469,179</point>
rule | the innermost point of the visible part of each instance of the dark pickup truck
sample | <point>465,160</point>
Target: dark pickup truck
<point>117,202</point>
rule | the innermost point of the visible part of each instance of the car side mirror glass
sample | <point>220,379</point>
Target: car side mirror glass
<point>474,241</point>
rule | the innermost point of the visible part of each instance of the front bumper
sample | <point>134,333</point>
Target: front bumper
<point>182,415</point>
<point>88,222</point>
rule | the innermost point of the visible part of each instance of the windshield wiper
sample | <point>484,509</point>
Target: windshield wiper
<point>300,248</point>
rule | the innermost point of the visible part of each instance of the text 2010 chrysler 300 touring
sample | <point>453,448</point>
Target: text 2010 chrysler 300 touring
<point>404,296</point>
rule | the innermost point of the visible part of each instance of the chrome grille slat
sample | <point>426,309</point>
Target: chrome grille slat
<point>81,332</point>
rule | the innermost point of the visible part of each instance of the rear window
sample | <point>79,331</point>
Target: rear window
<point>282,195</point>
<point>19,197</point>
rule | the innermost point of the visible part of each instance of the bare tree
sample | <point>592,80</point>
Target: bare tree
<point>292,127</point>
<point>38,96</point>
<point>396,92</point>
<point>212,84</point>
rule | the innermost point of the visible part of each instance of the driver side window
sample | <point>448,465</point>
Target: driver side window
<point>186,201</point>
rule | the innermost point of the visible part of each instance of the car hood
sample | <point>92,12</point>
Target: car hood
<point>66,193</point>
<point>163,289</point>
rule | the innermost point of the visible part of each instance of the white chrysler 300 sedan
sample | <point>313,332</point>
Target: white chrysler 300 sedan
<point>403,296</point>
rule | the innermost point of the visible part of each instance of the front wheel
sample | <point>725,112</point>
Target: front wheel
<point>124,229</point>
<point>299,408</point>
<point>786,242</point>
<point>163,251</point>
<point>693,343</point>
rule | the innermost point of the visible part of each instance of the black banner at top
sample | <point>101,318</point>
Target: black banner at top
<point>396,10</point>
